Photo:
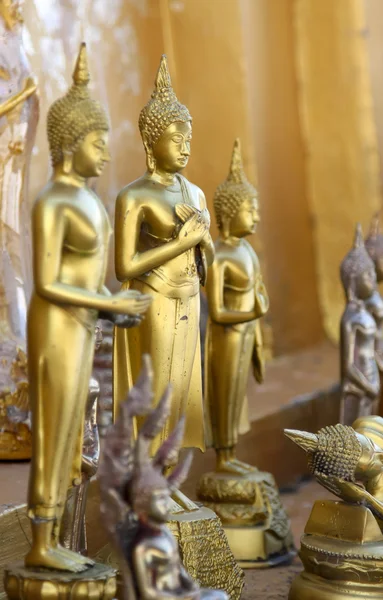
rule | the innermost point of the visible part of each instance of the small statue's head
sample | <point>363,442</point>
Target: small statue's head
<point>235,200</point>
<point>357,270</point>
<point>341,451</point>
<point>166,126</point>
<point>78,127</point>
<point>374,246</point>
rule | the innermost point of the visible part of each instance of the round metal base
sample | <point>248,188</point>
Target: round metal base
<point>312,587</point>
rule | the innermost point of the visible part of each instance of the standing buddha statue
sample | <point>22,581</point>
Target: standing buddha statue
<point>246,500</point>
<point>163,248</point>
<point>374,304</point>
<point>70,234</point>
<point>358,335</point>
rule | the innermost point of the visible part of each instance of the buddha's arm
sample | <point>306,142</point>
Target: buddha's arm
<point>207,242</point>
<point>29,88</point>
<point>129,263</point>
<point>347,357</point>
<point>258,358</point>
<point>261,296</point>
<point>217,310</point>
<point>48,230</point>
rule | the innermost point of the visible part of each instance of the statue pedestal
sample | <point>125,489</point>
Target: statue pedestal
<point>98,583</point>
<point>255,522</point>
<point>205,552</point>
<point>342,553</point>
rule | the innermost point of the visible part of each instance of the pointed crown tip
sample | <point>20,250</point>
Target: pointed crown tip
<point>163,79</point>
<point>81,74</point>
<point>358,241</point>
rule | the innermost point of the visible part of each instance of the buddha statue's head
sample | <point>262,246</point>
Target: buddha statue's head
<point>166,127</point>
<point>374,245</point>
<point>348,453</point>
<point>357,270</point>
<point>235,200</point>
<point>78,127</point>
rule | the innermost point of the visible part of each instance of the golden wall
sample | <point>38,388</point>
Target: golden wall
<point>300,81</point>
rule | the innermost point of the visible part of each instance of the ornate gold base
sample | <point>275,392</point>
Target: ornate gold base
<point>16,445</point>
<point>255,522</point>
<point>312,587</point>
<point>98,583</point>
<point>205,551</point>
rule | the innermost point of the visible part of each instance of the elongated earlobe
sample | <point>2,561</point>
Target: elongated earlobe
<point>67,162</point>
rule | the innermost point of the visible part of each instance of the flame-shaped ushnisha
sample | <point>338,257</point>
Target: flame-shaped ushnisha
<point>357,261</point>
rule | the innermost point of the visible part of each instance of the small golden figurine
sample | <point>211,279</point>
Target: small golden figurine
<point>374,304</point>
<point>18,121</point>
<point>342,547</point>
<point>73,528</point>
<point>135,499</point>
<point>246,500</point>
<point>71,233</point>
<point>163,248</point>
<point>358,334</point>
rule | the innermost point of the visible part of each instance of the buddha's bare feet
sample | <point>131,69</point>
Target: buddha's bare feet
<point>244,465</point>
<point>76,556</point>
<point>53,558</point>
<point>229,467</point>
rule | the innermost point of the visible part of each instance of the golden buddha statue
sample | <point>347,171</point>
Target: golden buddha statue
<point>246,500</point>
<point>342,546</point>
<point>358,335</point>
<point>70,230</point>
<point>162,248</point>
<point>135,499</point>
<point>374,304</point>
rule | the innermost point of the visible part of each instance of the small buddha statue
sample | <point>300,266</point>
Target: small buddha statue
<point>135,498</point>
<point>358,335</point>
<point>342,546</point>
<point>246,500</point>
<point>70,232</point>
<point>374,304</point>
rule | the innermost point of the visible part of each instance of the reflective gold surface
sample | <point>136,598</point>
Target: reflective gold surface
<point>163,247</point>
<point>246,500</point>
<point>341,548</point>
<point>71,233</point>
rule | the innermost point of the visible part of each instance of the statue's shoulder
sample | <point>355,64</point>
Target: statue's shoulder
<point>52,197</point>
<point>134,192</point>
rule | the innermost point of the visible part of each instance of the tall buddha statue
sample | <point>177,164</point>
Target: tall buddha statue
<point>162,248</point>
<point>358,334</point>
<point>374,304</point>
<point>246,500</point>
<point>70,233</point>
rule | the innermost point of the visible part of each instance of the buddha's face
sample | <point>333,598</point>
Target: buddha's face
<point>159,507</point>
<point>246,218</point>
<point>371,462</point>
<point>172,150</point>
<point>91,156</point>
<point>365,284</point>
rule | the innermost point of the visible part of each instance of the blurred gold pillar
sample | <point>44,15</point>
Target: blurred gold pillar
<point>338,125</point>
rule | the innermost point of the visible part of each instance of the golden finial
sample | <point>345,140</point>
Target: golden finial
<point>163,79</point>
<point>236,172</point>
<point>81,75</point>
<point>305,440</point>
